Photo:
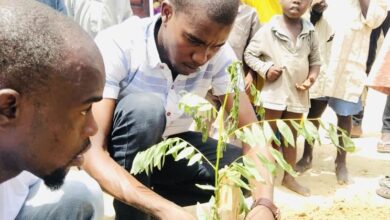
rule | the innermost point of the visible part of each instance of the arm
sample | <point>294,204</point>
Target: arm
<point>364,4</point>
<point>247,116</point>
<point>373,12</point>
<point>252,55</point>
<point>317,8</point>
<point>115,180</point>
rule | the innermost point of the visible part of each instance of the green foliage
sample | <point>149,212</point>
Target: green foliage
<point>259,134</point>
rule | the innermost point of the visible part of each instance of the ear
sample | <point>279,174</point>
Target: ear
<point>9,105</point>
<point>166,11</point>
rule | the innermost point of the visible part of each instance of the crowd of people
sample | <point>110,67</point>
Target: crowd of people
<point>84,83</point>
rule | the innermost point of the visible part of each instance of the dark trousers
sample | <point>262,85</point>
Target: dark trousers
<point>386,117</point>
<point>138,123</point>
<point>375,34</point>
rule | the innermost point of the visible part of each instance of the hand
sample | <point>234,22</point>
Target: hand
<point>176,213</point>
<point>273,73</point>
<point>319,6</point>
<point>260,212</point>
<point>248,81</point>
<point>306,84</point>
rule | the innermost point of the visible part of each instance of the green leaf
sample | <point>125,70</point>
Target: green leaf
<point>250,166</point>
<point>176,148</point>
<point>348,144</point>
<point>249,138</point>
<point>282,163</point>
<point>270,166</point>
<point>185,153</point>
<point>259,136</point>
<point>269,133</point>
<point>332,131</point>
<point>237,180</point>
<point>197,158</point>
<point>286,132</point>
<point>311,129</point>
<point>205,187</point>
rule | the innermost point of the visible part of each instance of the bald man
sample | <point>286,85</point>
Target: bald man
<point>50,74</point>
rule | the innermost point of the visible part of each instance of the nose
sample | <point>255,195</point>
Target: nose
<point>201,56</point>
<point>91,127</point>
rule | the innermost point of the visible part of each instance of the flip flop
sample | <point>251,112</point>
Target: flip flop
<point>383,147</point>
<point>385,182</point>
<point>384,192</point>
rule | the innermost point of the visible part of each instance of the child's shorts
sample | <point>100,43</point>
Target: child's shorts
<point>342,107</point>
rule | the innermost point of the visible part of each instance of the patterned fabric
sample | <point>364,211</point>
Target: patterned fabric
<point>133,65</point>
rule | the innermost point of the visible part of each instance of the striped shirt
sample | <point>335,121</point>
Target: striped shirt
<point>133,65</point>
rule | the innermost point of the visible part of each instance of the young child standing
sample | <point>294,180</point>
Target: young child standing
<point>285,53</point>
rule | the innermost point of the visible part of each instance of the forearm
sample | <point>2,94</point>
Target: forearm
<point>117,182</point>
<point>251,58</point>
<point>364,4</point>
<point>247,116</point>
<point>314,71</point>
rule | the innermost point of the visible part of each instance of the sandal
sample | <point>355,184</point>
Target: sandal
<point>383,147</point>
<point>384,192</point>
<point>385,182</point>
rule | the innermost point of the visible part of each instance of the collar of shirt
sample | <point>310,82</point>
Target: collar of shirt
<point>307,27</point>
<point>152,51</point>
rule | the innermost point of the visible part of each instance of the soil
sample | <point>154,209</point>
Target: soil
<point>328,199</point>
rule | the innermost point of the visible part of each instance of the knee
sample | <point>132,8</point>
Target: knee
<point>146,110</point>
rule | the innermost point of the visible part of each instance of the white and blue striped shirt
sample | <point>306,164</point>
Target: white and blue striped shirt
<point>133,65</point>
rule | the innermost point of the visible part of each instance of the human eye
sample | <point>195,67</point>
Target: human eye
<point>193,41</point>
<point>86,111</point>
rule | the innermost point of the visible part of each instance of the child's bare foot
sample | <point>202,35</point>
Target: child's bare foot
<point>290,183</point>
<point>342,173</point>
<point>303,165</point>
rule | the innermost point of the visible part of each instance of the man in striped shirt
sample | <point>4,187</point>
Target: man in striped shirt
<point>148,62</point>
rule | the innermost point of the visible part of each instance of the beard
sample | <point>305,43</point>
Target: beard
<point>56,179</point>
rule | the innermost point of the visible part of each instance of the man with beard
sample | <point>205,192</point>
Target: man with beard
<point>148,63</point>
<point>50,74</point>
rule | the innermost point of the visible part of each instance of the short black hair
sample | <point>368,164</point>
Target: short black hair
<point>220,11</point>
<point>34,44</point>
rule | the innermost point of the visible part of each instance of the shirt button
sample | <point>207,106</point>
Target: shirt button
<point>168,113</point>
<point>161,66</point>
<point>172,87</point>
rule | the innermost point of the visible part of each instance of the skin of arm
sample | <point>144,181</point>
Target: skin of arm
<point>247,116</point>
<point>117,181</point>
<point>311,78</point>
<point>364,4</point>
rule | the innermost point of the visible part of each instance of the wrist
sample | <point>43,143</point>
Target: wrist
<point>264,202</point>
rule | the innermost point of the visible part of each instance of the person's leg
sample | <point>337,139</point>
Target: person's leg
<point>176,180</point>
<point>343,122</point>
<point>138,123</point>
<point>344,111</point>
<point>290,155</point>
<point>79,198</point>
<point>356,129</point>
<point>315,112</point>
<point>271,114</point>
<point>384,145</point>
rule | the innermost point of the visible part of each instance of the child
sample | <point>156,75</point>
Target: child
<point>285,53</point>
<point>343,74</point>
